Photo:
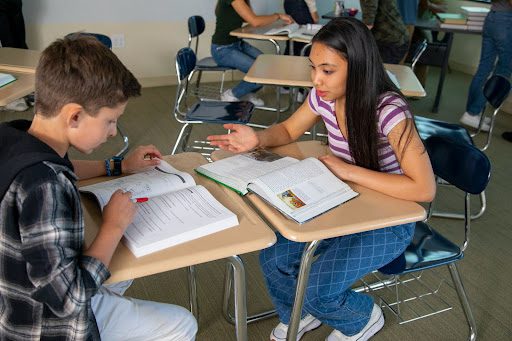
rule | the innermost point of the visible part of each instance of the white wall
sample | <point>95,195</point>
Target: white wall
<point>154,30</point>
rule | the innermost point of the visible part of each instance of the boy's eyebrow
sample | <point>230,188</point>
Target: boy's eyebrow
<point>323,64</point>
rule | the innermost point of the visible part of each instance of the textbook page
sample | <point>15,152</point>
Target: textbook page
<point>302,190</point>
<point>290,28</point>
<point>6,78</point>
<point>174,218</point>
<point>237,171</point>
<point>164,178</point>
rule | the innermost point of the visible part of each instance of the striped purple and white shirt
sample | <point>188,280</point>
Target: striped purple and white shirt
<point>392,109</point>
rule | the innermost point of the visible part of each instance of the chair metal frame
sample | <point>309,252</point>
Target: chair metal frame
<point>396,270</point>
<point>496,90</point>
<point>184,77</point>
<point>196,26</point>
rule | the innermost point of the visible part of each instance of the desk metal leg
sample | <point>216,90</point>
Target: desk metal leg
<point>192,291</point>
<point>302,281</point>
<point>240,297</point>
<point>444,69</point>
<point>228,281</point>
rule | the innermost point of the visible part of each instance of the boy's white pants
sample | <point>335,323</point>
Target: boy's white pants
<point>124,318</point>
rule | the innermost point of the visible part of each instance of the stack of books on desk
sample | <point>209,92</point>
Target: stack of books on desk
<point>452,20</point>
<point>475,17</point>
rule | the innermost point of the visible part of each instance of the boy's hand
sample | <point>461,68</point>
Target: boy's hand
<point>119,211</point>
<point>241,139</point>
<point>141,159</point>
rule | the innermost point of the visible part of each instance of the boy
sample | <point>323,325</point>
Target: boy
<point>50,284</point>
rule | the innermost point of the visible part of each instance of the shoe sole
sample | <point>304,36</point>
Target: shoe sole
<point>309,327</point>
<point>373,329</point>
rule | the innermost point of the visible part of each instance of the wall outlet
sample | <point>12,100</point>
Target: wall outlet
<point>117,40</point>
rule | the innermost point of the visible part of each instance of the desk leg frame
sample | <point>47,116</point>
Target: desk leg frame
<point>302,281</point>
<point>444,69</point>
<point>240,297</point>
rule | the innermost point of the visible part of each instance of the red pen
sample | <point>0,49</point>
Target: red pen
<point>140,199</point>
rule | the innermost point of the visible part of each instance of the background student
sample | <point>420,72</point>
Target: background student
<point>302,12</point>
<point>388,28</point>
<point>495,57</point>
<point>234,52</point>
<point>374,143</point>
<point>50,282</point>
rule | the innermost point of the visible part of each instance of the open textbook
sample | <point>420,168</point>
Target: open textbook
<point>292,30</point>
<point>6,78</point>
<point>177,210</point>
<point>301,190</point>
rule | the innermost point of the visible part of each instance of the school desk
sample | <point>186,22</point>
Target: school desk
<point>444,48</point>
<point>295,71</point>
<point>251,235</point>
<point>370,210</point>
<point>21,64</point>
<point>257,33</point>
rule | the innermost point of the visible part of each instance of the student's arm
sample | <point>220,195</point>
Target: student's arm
<point>244,138</point>
<point>248,15</point>
<point>117,215</point>
<point>417,181</point>
<point>312,10</point>
<point>136,161</point>
<point>369,8</point>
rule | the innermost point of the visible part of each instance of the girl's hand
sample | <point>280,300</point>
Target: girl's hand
<point>241,139</point>
<point>119,211</point>
<point>141,159</point>
<point>286,18</point>
<point>336,165</point>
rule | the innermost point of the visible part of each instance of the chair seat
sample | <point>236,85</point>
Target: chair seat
<point>427,249</point>
<point>428,127</point>
<point>209,64</point>
<point>221,112</point>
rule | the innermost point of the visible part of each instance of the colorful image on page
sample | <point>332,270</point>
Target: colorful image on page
<point>290,199</point>
<point>263,155</point>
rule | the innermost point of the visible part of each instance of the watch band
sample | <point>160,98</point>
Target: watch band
<point>117,165</point>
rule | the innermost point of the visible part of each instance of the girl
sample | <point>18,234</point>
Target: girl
<point>233,52</point>
<point>374,143</point>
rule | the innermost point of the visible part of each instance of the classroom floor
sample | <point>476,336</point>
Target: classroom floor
<point>484,269</point>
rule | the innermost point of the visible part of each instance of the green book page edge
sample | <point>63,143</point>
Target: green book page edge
<point>219,182</point>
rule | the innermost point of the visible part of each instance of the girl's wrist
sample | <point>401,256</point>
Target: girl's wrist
<point>278,16</point>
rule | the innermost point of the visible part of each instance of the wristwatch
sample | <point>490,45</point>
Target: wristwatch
<point>117,165</point>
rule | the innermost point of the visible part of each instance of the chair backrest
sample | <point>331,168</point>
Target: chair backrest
<point>196,26</point>
<point>104,39</point>
<point>496,90</point>
<point>461,164</point>
<point>185,62</point>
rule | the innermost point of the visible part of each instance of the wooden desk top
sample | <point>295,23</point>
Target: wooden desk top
<point>252,234</point>
<point>22,86</point>
<point>19,59</point>
<point>369,211</point>
<point>251,32</point>
<point>296,71</point>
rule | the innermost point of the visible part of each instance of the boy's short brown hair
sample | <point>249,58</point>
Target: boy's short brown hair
<point>80,69</point>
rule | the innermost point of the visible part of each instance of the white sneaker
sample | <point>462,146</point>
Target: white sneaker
<point>306,324</point>
<point>254,100</point>
<point>227,96</point>
<point>474,120</point>
<point>16,105</point>
<point>372,327</point>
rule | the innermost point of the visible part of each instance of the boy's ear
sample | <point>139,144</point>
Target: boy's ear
<point>73,114</point>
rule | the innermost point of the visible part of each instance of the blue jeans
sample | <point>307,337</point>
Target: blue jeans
<point>496,43</point>
<point>341,262</point>
<point>240,56</point>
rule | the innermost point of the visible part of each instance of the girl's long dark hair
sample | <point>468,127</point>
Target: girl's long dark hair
<point>366,81</point>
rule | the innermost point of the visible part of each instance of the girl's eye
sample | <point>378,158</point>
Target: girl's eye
<point>328,72</point>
